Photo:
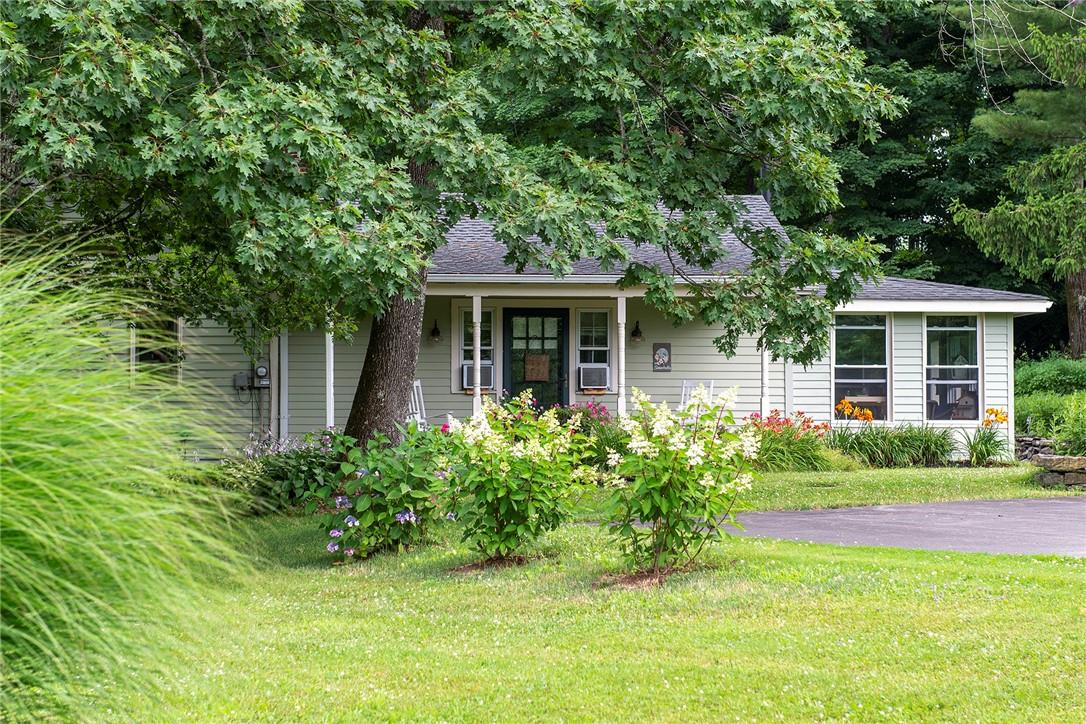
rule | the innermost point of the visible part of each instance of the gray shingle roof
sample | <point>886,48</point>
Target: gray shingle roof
<point>472,250</point>
<point>897,289</point>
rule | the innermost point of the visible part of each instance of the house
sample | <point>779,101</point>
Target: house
<point>910,351</point>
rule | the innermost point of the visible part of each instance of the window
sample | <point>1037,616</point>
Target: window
<point>594,342</point>
<point>156,345</point>
<point>859,363</point>
<point>953,370</point>
<point>486,337</point>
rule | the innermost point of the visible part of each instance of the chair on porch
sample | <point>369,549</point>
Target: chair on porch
<point>690,385</point>
<point>416,406</point>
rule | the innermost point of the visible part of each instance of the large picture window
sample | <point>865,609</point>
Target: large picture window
<point>486,337</point>
<point>953,369</point>
<point>859,362</point>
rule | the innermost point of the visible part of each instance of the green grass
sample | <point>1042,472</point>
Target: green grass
<point>763,630</point>
<point>804,491</point>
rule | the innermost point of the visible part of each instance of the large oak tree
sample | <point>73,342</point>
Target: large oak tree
<point>295,164</point>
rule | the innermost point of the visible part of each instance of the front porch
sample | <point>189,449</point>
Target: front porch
<point>569,346</point>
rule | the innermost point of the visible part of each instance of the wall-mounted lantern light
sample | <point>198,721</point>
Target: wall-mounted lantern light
<point>635,335</point>
<point>435,333</point>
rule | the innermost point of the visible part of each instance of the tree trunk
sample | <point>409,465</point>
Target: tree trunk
<point>1076,312</point>
<point>380,401</point>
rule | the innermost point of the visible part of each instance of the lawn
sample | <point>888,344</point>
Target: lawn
<point>763,629</point>
<point>803,491</point>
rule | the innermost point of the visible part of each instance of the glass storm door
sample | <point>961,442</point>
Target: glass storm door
<point>535,354</point>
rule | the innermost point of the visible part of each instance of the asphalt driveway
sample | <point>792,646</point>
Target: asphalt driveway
<point>1039,526</point>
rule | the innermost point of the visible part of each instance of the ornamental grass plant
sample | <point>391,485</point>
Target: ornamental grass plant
<point>102,543</point>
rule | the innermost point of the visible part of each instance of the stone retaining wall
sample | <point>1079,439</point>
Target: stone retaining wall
<point>1061,470</point>
<point>1027,447</point>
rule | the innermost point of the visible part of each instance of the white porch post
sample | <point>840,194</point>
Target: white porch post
<point>284,384</point>
<point>476,354</point>
<point>764,396</point>
<point>329,378</point>
<point>621,316</point>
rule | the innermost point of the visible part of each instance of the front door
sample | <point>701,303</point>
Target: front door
<point>535,354</point>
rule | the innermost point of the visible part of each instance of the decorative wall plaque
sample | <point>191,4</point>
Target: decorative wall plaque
<point>661,356</point>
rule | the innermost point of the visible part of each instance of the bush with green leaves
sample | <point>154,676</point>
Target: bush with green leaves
<point>105,547</point>
<point>1046,414</point>
<point>790,443</point>
<point>384,496</point>
<point>1055,374</point>
<point>1069,433</point>
<point>297,468</point>
<point>677,485</point>
<point>516,472</point>
<point>903,446</point>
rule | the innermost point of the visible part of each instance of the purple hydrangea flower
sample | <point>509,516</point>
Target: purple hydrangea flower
<point>335,532</point>
<point>405,516</point>
<point>441,474</point>
<point>351,521</point>
<point>332,547</point>
<point>450,516</point>
<point>349,552</point>
<point>342,501</point>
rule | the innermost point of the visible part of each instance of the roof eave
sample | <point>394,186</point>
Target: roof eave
<point>955,306</point>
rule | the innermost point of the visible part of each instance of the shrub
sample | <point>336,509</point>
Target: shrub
<point>383,497</point>
<point>676,486</point>
<point>297,468</point>
<point>1055,374</point>
<point>790,443</point>
<point>894,447</point>
<point>103,541</point>
<point>1044,414</point>
<point>515,474</point>
<point>1070,430</point>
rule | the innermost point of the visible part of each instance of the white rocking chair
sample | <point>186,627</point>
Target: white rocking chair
<point>690,385</point>
<point>416,406</point>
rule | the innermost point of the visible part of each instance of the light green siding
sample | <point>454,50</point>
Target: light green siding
<point>212,357</point>
<point>907,375</point>
<point>996,370</point>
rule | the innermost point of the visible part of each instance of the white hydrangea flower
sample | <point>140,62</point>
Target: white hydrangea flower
<point>699,397</point>
<point>661,426</point>
<point>743,482</point>
<point>726,399</point>
<point>707,480</point>
<point>613,458</point>
<point>748,443</point>
<point>637,396</point>
<point>628,424</point>
<point>695,454</point>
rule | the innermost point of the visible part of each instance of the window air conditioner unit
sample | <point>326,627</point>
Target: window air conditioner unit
<point>486,376</point>
<point>594,378</point>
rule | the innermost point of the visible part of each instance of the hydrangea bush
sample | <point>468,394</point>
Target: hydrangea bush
<point>384,497</point>
<point>516,473</point>
<point>677,484</point>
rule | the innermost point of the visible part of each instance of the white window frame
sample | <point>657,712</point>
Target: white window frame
<point>979,366</point>
<point>888,329</point>
<point>460,324</point>
<point>578,347</point>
